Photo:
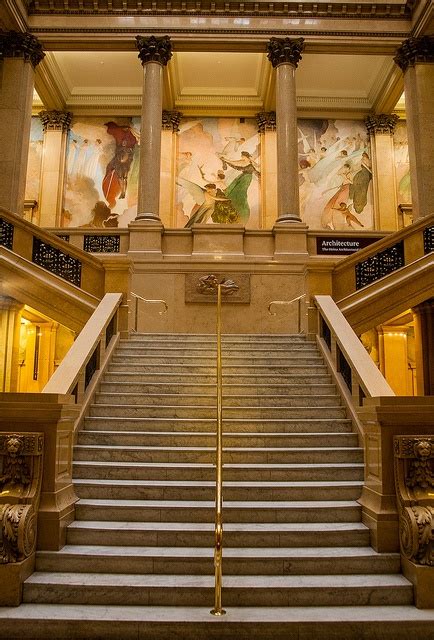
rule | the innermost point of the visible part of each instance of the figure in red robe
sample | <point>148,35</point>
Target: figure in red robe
<point>114,184</point>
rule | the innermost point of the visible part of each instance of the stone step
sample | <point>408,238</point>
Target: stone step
<point>235,512</point>
<point>298,358</point>
<point>114,374</point>
<point>164,589</point>
<point>210,347</point>
<point>227,338</point>
<point>197,439</point>
<point>229,390</point>
<point>199,534</point>
<point>192,411</point>
<point>239,562</point>
<point>205,490</point>
<point>259,455</point>
<point>235,472</point>
<point>120,365</point>
<point>42,621</point>
<point>164,399</point>
<point>235,425</point>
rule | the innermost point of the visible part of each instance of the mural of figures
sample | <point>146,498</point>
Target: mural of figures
<point>335,174</point>
<point>102,172</point>
<point>218,172</point>
<point>402,167</point>
<point>35,159</point>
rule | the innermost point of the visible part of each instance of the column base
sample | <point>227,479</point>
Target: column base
<point>147,217</point>
<point>288,217</point>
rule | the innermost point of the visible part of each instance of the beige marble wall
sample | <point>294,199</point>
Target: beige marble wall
<point>384,180</point>
<point>52,178</point>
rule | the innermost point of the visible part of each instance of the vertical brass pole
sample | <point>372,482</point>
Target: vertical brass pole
<point>218,551</point>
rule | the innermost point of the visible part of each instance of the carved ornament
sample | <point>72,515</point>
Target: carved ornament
<point>171,120</point>
<point>415,50</point>
<point>414,482</point>
<point>14,44</point>
<point>381,123</point>
<point>285,51</point>
<point>20,488</point>
<point>266,121</point>
<point>154,49</point>
<point>207,285</point>
<point>56,120</point>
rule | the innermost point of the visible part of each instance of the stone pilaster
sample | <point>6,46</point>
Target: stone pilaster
<point>21,53</point>
<point>154,54</point>
<point>56,126</point>
<point>10,325</point>
<point>423,315</point>
<point>416,59</point>
<point>284,54</point>
<point>267,130</point>
<point>169,154</point>
<point>380,128</point>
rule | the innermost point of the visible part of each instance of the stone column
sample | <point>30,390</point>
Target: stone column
<point>169,153</point>
<point>56,126</point>
<point>416,59</point>
<point>381,128</point>
<point>10,325</point>
<point>423,315</point>
<point>284,54</point>
<point>21,53</point>
<point>267,131</point>
<point>154,54</point>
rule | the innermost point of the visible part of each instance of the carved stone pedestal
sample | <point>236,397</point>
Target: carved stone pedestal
<point>12,577</point>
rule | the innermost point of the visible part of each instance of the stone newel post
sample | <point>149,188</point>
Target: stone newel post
<point>285,54</point>
<point>154,54</point>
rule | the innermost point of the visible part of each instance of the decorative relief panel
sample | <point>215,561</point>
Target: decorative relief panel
<point>414,482</point>
<point>20,488</point>
<point>202,287</point>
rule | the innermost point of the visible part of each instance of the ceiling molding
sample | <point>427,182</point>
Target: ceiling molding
<point>50,83</point>
<point>13,15</point>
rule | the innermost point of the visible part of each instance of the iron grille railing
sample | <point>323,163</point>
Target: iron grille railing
<point>345,370</point>
<point>102,244</point>
<point>6,234</point>
<point>326,333</point>
<point>91,367</point>
<point>383,263</point>
<point>428,239</point>
<point>57,262</point>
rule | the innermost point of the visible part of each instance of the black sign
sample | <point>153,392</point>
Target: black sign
<point>342,245</point>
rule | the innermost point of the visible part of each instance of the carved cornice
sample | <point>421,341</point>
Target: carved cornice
<point>154,49</point>
<point>285,51</point>
<point>171,120</point>
<point>56,120</point>
<point>21,45</point>
<point>415,50</point>
<point>345,10</point>
<point>381,123</point>
<point>266,121</point>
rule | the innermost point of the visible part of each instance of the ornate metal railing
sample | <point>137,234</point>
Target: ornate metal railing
<point>102,244</point>
<point>6,234</point>
<point>56,261</point>
<point>379,265</point>
<point>288,303</point>
<point>428,239</point>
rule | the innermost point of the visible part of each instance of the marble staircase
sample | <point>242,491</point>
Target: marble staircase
<point>139,557</point>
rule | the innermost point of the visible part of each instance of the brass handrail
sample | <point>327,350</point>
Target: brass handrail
<point>137,297</point>
<point>288,302</point>
<point>218,550</point>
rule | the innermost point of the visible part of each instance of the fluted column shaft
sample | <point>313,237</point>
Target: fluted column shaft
<point>154,53</point>
<point>21,53</point>
<point>416,59</point>
<point>284,55</point>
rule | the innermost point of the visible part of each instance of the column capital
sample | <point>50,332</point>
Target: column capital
<point>415,50</point>
<point>170,120</point>
<point>266,121</point>
<point>285,51</point>
<point>381,123</point>
<point>154,49</point>
<point>56,120</point>
<point>14,44</point>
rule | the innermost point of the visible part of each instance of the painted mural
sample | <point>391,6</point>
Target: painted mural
<point>34,162</point>
<point>102,172</point>
<point>402,167</point>
<point>218,172</point>
<point>335,174</point>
